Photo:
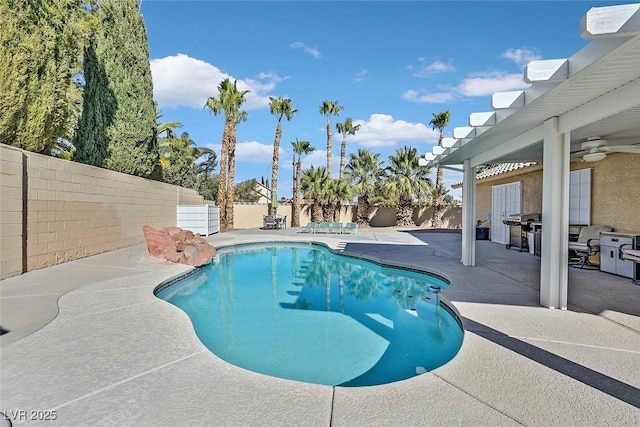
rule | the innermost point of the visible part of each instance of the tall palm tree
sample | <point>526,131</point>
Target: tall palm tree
<point>346,128</point>
<point>364,171</point>
<point>329,108</point>
<point>314,182</point>
<point>299,148</point>
<point>280,107</point>
<point>229,103</point>
<point>439,121</point>
<point>407,180</point>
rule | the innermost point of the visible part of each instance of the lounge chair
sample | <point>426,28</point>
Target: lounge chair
<point>350,227</point>
<point>335,227</point>
<point>323,227</point>
<point>588,244</point>
<point>309,227</point>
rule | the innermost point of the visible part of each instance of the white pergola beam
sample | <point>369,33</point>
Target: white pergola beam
<point>448,142</point>
<point>482,119</point>
<point>551,70</point>
<point>437,150</point>
<point>511,99</point>
<point>611,21</point>
<point>464,132</point>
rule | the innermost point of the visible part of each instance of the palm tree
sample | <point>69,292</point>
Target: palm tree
<point>335,192</point>
<point>280,107</point>
<point>364,171</point>
<point>328,109</point>
<point>229,103</point>
<point>314,181</point>
<point>346,128</point>
<point>439,121</point>
<point>299,148</point>
<point>166,128</point>
<point>406,180</point>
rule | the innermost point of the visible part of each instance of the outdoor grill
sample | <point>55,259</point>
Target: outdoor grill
<point>519,226</point>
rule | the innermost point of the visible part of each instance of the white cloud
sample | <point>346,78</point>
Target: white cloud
<point>183,81</point>
<point>427,69</point>
<point>489,83</point>
<point>522,56</point>
<point>361,75</point>
<point>479,84</point>
<point>381,130</point>
<point>428,97</point>
<point>317,158</point>
<point>313,51</point>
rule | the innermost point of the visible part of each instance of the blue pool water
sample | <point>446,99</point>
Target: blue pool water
<point>305,313</point>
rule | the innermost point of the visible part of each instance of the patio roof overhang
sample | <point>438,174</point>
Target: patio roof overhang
<point>595,92</point>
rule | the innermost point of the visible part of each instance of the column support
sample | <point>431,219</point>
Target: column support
<point>555,217</point>
<point>468,214</point>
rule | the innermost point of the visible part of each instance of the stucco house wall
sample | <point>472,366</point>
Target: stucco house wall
<point>615,191</point>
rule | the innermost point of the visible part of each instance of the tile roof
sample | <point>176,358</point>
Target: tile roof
<point>498,169</point>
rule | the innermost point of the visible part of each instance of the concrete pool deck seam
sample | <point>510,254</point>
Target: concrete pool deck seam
<point>462,390</point>
<point>121,382</point>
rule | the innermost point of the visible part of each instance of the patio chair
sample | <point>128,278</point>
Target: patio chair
<point>269,222</point>
<point>309,227</point>
<point>630,254</point>
<point>588,244</point>
<point>335,227</point>
<point>323,227</point>
<point>350,227</point>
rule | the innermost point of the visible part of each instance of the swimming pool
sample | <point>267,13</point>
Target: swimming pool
<point>306,313</point>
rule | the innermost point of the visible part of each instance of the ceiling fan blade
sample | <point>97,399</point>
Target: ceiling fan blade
<point>579,153</point>
<point>634,149</point>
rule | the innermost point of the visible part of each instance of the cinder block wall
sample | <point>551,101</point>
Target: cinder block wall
<point>75,210</point>
<point>250,215</point>
<point>12,213</point>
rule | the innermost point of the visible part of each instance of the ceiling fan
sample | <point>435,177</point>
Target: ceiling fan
<point>595,149</point>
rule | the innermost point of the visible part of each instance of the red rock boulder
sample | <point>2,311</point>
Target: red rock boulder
<point>177,245</point>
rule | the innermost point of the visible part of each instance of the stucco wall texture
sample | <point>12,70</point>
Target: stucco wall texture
<point>615,191</point>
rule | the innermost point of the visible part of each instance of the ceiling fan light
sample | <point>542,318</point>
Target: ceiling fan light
<point>594,157</point>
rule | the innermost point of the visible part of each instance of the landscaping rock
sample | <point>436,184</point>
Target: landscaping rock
<point>177,245</point>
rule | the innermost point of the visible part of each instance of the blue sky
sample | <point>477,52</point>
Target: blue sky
<point>391,65</point>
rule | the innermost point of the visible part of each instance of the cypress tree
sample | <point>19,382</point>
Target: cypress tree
<point>121,102</point>
<point>99,105</point>
<point>40,46</point>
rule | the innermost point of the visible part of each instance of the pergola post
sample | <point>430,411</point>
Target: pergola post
<point>468,214</point>
<point>555,217</point>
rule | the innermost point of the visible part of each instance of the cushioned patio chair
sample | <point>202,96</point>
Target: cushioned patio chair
<point>588,244</point>
<point>323,227</point>
<point>350,227</point>
<point>308,228</point>
<point>269,222</point>
<point>335,227</point>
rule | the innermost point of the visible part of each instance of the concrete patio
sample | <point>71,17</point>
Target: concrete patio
<point>90,341</point>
